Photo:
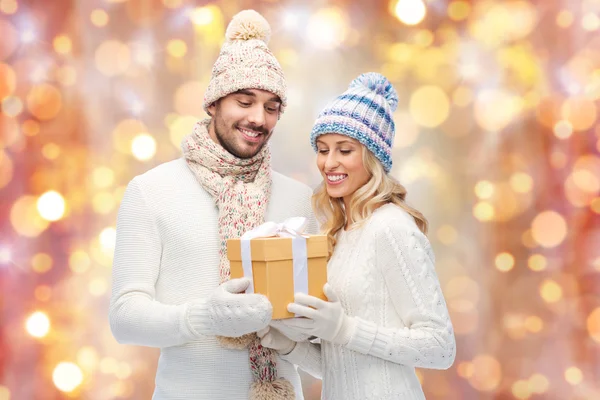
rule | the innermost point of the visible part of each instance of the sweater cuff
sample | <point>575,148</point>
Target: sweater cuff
<point>363,337</point>
<point>198,319</point>
<point>346,331</point>
<point>298,354</point>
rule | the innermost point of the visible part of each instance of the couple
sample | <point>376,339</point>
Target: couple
<point>171,289</point>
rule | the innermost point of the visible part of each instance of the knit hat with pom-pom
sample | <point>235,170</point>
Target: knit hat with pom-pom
<point>245,61</point>
<point>363,112</point>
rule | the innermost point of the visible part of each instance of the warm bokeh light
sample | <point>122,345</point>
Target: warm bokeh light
<point>447,234</point>
<point>573,375</point>
<point>487,373</point>
<point>177,48</point>
<point>107,238</point>
<point>99,17</point>
<point>41,262</point>
<point>505,262</point>
<point>143,147</point>
<point>202,16</point>
<point>534,324</point>
<point>537,262</point>
<point>551,291</point>
<point>484,189</point>
<point>549,229</point>
<point>9,7</point>
<point>51,206</point>
<point>327,28</point>
<point>429,106</point>
<point>125,132</point>
<point>483,211</point>
<point>593,324</point>
<point>67,376</point>
<point>113,58</point>
<point>62,44</point>
<point>38,324</point>
<point>44,101</point>
<point>410,12</point>
<point>25,218</point>
<point>564,18</point>
<point>495,109</point>
<point>521,182</point>
<point>79,261</point>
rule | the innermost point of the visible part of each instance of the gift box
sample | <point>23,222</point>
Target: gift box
<point>280,266</point>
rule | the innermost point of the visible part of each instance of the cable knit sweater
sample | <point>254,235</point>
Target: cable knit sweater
<point>166,263</point>
<point>384,274</point>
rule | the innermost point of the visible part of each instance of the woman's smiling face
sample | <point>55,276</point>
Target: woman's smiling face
<point>340,160</point>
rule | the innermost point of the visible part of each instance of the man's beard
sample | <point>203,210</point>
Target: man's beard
<point>229,145</point>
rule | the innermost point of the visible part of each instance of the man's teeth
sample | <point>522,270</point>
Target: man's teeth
<point>336,178</point>
<point>250,133</point>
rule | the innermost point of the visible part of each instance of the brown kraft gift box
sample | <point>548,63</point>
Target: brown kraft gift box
<point>273,270</point>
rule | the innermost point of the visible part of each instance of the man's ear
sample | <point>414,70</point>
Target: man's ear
<point>211,109</point>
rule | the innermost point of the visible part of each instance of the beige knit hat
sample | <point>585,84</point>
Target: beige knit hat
<point>245,61</point>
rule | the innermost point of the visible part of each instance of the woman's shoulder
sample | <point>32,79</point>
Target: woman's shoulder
<point>391,224</point>
<point>392,216</point>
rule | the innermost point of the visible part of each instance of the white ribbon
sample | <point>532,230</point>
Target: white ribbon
<point>291,227</point>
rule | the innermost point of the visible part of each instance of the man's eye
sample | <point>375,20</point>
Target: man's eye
<point>271,109</point>
<point>243,104</point>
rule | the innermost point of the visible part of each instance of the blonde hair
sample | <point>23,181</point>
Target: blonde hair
<point>380,189</point>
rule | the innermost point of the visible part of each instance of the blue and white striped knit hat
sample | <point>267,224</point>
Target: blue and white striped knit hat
<point>363,112</point>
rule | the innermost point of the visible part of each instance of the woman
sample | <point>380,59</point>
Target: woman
<point>386,313</point>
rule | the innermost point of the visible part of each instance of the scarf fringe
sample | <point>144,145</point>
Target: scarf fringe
<point>236,343</point>
<point>279,389</point>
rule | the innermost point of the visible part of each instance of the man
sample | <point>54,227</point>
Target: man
<point>171,286</point>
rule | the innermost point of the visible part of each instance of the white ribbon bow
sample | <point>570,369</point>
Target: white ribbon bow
<point>292,227</point>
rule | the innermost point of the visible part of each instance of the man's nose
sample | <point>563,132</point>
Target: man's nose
<point>257,115</point>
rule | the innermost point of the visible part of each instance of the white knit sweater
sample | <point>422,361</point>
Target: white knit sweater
<point>166,261</point>
<point>384,275</point>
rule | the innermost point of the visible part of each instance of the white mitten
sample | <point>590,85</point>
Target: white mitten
<point>324,319</point>
<point>273,339</point>
<point>231,312</point>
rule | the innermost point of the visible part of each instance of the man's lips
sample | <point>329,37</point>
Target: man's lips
<point>251,135</point>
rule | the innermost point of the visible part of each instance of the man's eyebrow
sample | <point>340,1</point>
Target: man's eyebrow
<point>247,92</point>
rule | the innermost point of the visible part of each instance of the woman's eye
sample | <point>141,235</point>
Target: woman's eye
<point>345,151</point>
<point>323,151</point>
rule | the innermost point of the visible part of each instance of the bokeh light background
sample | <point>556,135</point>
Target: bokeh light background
<point>497,141</point>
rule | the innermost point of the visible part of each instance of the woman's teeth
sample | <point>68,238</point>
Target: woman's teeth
<point>336,178</point>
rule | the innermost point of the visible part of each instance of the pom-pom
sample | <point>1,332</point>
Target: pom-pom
<point>279,389</point>
<point>380,85</point>
<point>248,24</point>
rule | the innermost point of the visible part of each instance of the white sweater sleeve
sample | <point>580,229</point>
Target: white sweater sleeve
<point>307,356</point>
<point>406,260</point>
<point>135,316</point>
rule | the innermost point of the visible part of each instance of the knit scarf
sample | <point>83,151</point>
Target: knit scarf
<point>241,189</point>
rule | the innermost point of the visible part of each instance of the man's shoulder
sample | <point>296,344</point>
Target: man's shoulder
<point>168,171</point>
